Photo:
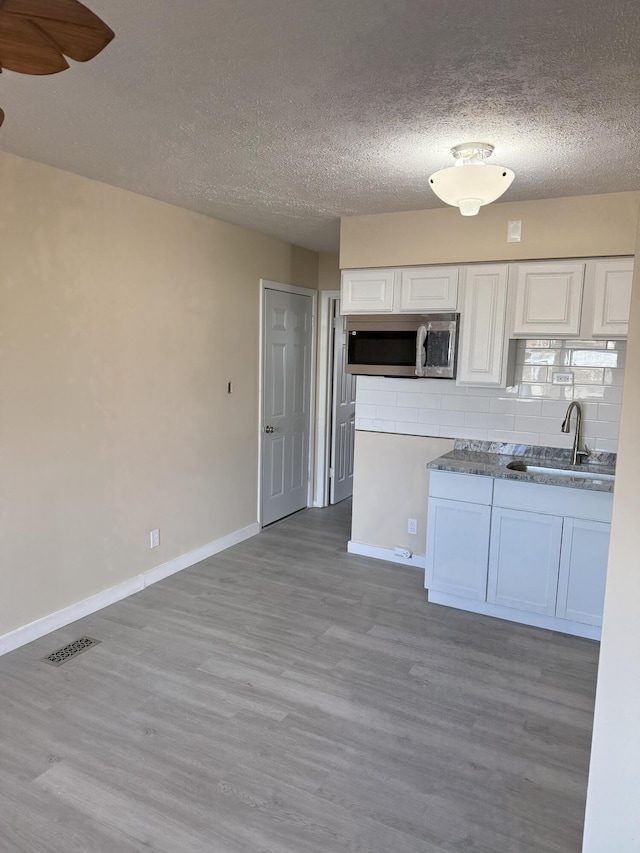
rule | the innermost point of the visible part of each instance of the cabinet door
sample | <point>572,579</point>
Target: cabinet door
<point>612,298</point>
<point>524,559</point>
<point>583,570</point>
<point>367,291</point>
<point>426,289</point>
<point>484,347</point>
<point>548,300</point>
<point>458,548</point>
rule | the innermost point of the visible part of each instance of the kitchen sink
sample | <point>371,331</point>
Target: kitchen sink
<point>558,472</point>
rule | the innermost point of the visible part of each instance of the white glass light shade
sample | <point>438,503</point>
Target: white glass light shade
<point>469,186</point>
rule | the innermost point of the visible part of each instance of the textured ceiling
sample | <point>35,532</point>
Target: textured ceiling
<point>283,115</point>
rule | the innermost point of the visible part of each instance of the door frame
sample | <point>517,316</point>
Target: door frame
<point>325,384</point>
<point>266,284</point>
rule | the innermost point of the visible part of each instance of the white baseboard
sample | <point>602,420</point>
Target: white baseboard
<point>416,560</point>
<point>538,620</point>
<point>163,571</point>
<point>34,630</point>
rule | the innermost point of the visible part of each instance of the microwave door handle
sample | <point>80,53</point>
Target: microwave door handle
<point>421,356</point>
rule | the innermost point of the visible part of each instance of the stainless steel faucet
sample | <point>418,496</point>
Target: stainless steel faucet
<point>577,454</point>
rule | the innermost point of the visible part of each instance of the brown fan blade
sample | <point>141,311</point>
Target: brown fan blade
<point>80,44</point>
<point>26,49</point>
<point>1,116</point>
<point>68,27</point>
<point>67,11</point>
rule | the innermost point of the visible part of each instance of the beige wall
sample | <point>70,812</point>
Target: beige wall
<point>390,485</point>
<point>553,228</point>
<point>613,803</point>
<point>329,271</point>
<point>121,321</point>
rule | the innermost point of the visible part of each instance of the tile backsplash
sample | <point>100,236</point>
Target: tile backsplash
<point>529,412</point>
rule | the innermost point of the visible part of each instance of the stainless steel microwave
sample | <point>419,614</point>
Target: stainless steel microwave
<point>411,345</point>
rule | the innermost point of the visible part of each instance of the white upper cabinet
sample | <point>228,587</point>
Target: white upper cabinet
<point>367,291</point>
<point>548,299</point>
<point>586,298</point>
<point>484,352</point>
<point>427,289</point>
<point>612,280</point>
<point>410,290</point>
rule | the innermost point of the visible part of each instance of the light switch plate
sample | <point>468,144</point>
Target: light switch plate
<point>514,231</point>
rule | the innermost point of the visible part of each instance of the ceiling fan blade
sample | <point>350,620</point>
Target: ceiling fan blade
<point>1,116</point>
<point>26,49</point>
<point>79,43</point>
<point>69,27</point>
<point>69,11</point>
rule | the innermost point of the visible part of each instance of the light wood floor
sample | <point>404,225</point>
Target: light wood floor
<point>285,697</point>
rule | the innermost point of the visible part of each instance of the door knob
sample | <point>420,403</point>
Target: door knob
<point>269,429</point>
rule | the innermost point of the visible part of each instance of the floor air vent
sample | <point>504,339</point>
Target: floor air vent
<point>70,651</point>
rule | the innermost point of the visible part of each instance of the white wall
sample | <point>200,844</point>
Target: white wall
<point>613,804</point>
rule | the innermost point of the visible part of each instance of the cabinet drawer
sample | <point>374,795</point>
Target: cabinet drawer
<point>470,488</point>
<point>553,500</point>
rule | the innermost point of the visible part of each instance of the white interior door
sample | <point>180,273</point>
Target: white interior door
<point>287,336</point>
<point>343,423</point>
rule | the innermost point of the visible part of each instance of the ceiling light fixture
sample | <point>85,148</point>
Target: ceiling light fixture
<point>471,182</point>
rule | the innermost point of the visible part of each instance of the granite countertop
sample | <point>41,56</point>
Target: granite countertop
<point>490,459</point>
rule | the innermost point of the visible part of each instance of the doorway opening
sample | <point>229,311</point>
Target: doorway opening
<point>335,430</point>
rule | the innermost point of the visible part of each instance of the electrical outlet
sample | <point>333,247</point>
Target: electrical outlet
<point>559,378</point>
<point>399,551</point>
<point>154,538</point>
<point>412,526</point>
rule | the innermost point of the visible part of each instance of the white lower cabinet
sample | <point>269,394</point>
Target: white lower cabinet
<point>457,547</point>
<point>583,570</point>
<point>524,556</point>
<point>539,566</point>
